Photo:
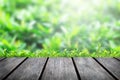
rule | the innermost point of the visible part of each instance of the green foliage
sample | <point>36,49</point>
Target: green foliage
<point>58,53</point>
<point>32,25</point>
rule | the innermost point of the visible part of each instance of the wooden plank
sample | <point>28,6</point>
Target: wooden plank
<point>7,65</point>
<point>118,59</point>
<point>90,70</point>
<point>29,70</point>
<point>112,65</point>
<point>2,59</point>
<point>59,69</point>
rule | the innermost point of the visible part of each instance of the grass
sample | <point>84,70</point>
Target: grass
<point>56,53</point>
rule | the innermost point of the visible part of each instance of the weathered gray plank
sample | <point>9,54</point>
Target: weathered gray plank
<point>118,59</point>
<point>112,65</point>
<point>90,70</point>
<point>2,59</point>
<point>59,69</point>
<point>29,70</point>
<point>7,65</point>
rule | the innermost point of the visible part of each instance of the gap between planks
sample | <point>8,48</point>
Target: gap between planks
<point>14,69</point>
<point>29,70</point>
<point>105,65</point>
<point>59,69</point>
<point>74,65</point>
<point>1,59</point>
<point>117,59</point>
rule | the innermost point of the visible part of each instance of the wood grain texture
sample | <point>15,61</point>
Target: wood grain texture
<point>7,65</point>
<point>90,70</point>
<point>29,70</point>
<point>59,69</point>
<point>112,65</point>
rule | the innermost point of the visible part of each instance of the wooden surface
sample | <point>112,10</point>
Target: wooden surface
<point>90,70</point>
<point>59,69</point>
<point>30,70</point>
<point>2,59</point>
<point>112,65</point>
<point>8,65</point>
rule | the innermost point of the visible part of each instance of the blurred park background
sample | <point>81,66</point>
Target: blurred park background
<point>59,24</point>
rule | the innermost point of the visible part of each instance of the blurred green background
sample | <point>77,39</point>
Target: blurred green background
<point>59,24</point>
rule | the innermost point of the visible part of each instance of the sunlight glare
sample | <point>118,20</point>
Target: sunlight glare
<point>72,9</point>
